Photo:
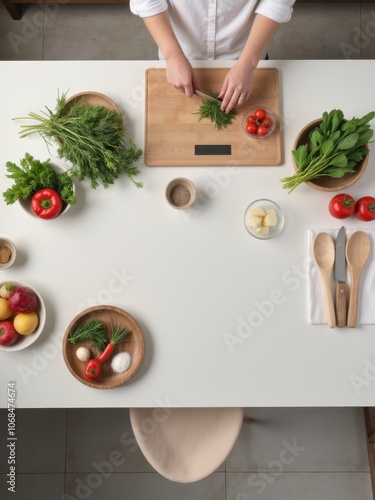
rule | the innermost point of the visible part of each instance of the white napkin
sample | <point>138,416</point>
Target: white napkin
<point>366,304</point>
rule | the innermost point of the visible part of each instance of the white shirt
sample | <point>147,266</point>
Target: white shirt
<point>213,29</point>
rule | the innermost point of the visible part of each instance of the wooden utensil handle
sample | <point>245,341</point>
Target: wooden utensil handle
<point>341,294</point>
<point>330,307</point>
<point>353,304</point>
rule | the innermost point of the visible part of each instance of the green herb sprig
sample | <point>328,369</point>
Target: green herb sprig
<point>93,331</point>
<point>32,175</point>
<point>336,147</point>
<point>212,111</point>
<point>119,334</point>
<point>91,137</point>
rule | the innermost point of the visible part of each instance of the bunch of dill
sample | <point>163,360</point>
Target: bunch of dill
<point>91,137</point>
<point>211,110</point>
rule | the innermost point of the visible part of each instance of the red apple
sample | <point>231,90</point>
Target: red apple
<point>22,300</point>
<point>8,334</point>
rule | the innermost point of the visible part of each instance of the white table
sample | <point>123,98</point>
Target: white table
<point>189,278</point>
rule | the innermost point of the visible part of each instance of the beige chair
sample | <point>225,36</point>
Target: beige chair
<point>186,444</point>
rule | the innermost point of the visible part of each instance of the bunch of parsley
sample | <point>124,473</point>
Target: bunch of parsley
<point>32,175</point>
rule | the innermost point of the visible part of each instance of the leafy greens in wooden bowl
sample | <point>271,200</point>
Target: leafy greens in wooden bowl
<point>331,153</point>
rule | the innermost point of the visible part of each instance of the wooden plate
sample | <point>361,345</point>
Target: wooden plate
<point>93,99</point>
<point>135,346</point>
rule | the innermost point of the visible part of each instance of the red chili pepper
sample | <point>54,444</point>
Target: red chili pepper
<point>46,203</point>
<point>118,335</point>
<point>107,352</point>
<point>93,369</point>
<point>94,366</point>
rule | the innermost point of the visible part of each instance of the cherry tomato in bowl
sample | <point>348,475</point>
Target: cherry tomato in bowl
<point>341,206</point>
<point>258,122</point>
<point>365,208</point>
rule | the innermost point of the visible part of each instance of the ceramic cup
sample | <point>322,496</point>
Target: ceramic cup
<point>180,193</point>
<point>7,253</point>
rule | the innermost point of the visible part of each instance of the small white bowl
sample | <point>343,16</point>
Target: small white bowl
<point>266,205</point>
<point>8,244</point>
<point>180,193</point>
<point>26,204</point>
<point>25,341</point>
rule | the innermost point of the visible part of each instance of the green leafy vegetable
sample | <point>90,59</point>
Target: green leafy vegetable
<point>91,137</point>
<point>335,148</point>
<point>32,175</point>
<point>211,110</point>
<point>92,330</point>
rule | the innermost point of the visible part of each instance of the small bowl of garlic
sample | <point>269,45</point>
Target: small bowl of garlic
<point>263,219</point>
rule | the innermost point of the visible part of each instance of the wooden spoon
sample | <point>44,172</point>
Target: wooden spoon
<point>357,252</point>
<point>324,256</point>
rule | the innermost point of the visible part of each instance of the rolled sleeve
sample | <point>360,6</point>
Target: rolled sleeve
<point>277,10</point>
<point>148,8</point>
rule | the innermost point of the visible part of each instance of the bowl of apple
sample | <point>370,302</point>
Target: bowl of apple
<point>22,315</point>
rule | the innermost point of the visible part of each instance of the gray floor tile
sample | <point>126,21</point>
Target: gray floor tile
<point>40,446</point>
<point>366,37</point>
<point>143,486</point>
<point>96,32</point>
<point>22,40</point>
<point>301,439</point>
<point>102,439</point>
<point>34,487</point>
<point>317,31</point>
<point>297,486</point>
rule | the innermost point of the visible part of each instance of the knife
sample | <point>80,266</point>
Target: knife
<point>340,277</point>
<point>206,97</point>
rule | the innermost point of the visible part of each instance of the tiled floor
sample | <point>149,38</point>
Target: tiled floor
<point>60,32</point>
<point>287,454</point>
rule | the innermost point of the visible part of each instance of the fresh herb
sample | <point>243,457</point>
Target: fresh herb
<point>32,175</point>
<point>211,110</point>
<point>91,330</point>
<point>336,147</point>
<point>91,137</point>
<point>117,335</point>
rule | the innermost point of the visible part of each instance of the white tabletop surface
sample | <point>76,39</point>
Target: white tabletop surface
<point>191,279</point>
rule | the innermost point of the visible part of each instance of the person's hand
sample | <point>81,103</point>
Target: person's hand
<point>236,87</point>
<point>180,74</point>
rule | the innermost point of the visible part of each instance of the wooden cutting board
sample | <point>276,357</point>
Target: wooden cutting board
<point>173,131</point>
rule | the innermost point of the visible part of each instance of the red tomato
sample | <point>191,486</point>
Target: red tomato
<point>251,128</point>
<point>262,130</point>
<point>260,114</point>
<point>8,334</point>
<point>251,119</point>
<point>341,206</point>
<point>365,208</point>
<point>267,122</point>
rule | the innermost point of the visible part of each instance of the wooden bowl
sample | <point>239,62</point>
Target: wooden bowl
<point>326,183</point>
<point>93,99</point>
<point>135,346</point>
<point>90,98</point>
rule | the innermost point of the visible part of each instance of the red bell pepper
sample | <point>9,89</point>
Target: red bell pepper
<point>93,369</point>
<point>46,203</point>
